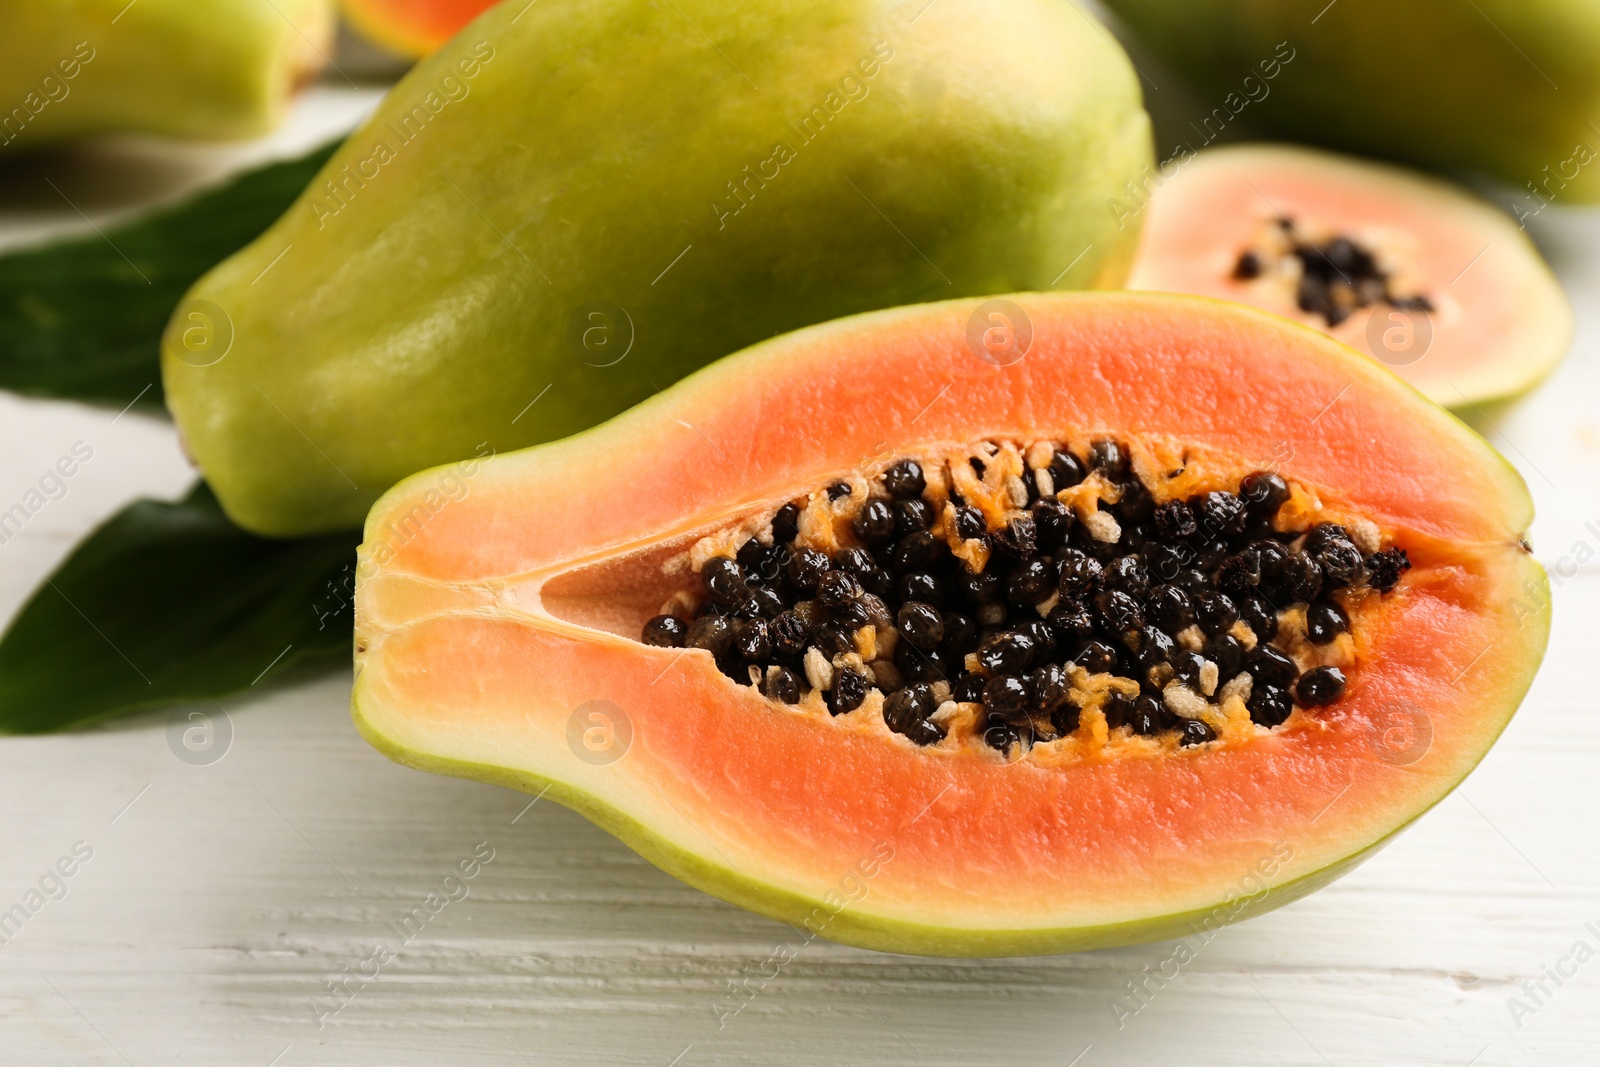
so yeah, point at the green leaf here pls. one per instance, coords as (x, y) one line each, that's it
(82, 318)
(170, 603)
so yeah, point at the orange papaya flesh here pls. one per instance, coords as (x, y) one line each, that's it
(1439, 286)
(500, 604)
(412, 27)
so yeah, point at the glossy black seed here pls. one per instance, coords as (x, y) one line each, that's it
(1118, 709)
(712, 633)
(1155, 648)
(922, 664)
(1214, 612)
(969, 523)
(1096, 657)
(920, 585)
(751, 640)
(856, 561)
(1227, 653)
(1052, 522)
(1269, 705)
(1385, 568)
(1187, 665)
(806, 568)
(724, 580)
(1080, 575)
(878, 582)
(1046, 647)
(782, 685)
(1115, 612)
(926, 733)
(1128, 574)
(1006, 696)
(1323, 534)
(1169, 608)
(1017, 539)
(1006, 652)
(1134, 507)
(833, 640)
(734, 668)
(968, 689)
(1065, 718)
(874, 524)
(1136, 536)
(1108, 457)
(1208, 556)
(878, 613)
(917, 552)
(1263, 493)
(983, 588)
(1166, 562)
(1147, 715)
(849, 690)
(1065, 470)
(1320, 685)
(788, 632)
(762, 603)
(1258, 614)
(912, 516)
(1001, 735)
(1032, 582)
(753, 558)
(838, 586)
(904, 480)
(1218, 514)
(1048, 690)
(960, 634)
(1247, 266)
(1325, 620)
(665, 631)
(1174, 520)
(852, 615)
(786, 524)
(1196, 732)
(903, 708)
(1341, 564)
(1072, 622)
(1302, 578)
(812, 612)
(1268, 666)
(1192, 580)
(920, 623)
(1269, 558)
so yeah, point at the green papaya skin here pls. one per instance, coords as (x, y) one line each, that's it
(1510, 88)
(573, 205)
(182, 68)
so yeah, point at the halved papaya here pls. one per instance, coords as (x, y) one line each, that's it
(412, 27)
(975, 628)
(1440, 286)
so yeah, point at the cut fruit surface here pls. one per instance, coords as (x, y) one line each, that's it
(509, 620)
(1434, 283)
(412, 27)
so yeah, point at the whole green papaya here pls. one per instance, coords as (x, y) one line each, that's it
(1510, 88)
(572, 205)
(182, 68)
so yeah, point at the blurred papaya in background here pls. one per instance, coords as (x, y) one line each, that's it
(202, 69)
(412, 27)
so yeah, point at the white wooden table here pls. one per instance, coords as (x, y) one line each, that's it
(220, 902)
